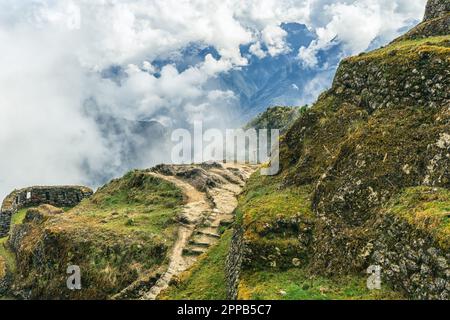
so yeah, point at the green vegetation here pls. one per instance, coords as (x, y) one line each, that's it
(314, 140)
(7, 255)
(206, 279)
(136, 203)
(264, 200)
(296, 284)
(18, 217)
(276, 118)
(427, 209)
(120, 233)
(408, 49)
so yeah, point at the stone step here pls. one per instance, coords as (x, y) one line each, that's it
(203, 238)
(198, 243)
(209, 234)
(226, 222)
(214, 225)
(193, 251)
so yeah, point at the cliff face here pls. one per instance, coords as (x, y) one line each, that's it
(365, 181)
(381, 132)
(435, 23)
(436, 9)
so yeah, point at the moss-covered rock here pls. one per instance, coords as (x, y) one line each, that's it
(436, 9)
(411, 73)
(97, 237)
(273, 229)
(413, 242)
(312, 143)
(276, 222)
(383, 127)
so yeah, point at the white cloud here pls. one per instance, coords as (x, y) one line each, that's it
(52, 53)
(355, 24)
(256, 50)
(274, 38)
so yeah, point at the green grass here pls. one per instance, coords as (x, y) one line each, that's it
(438, 44)
(278, 117)
(135, 203)
(206, 279)
(264, 200)
(7, 255)
(125, 229)
(18, 217)
(427, 209)
(296, 284)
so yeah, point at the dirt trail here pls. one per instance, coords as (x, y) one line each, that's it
(203, 214)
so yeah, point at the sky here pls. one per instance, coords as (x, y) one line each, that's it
(56, 55)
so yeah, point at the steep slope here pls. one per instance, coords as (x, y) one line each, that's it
(129, 239)
(382, 129)
(123, 230)
(279, 117)
(365, 182)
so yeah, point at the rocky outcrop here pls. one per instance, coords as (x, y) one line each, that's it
(417, 77)
(436, 9)
(435, 23)
(389, 112)
(61, 196)
(411, 260)
(383, 127)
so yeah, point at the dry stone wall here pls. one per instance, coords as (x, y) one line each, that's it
(61, 196)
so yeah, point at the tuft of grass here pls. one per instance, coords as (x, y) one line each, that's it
(206, 279)
(297, 284)
(427, 209)
(408, 49)
(265, 200)
(18, 217)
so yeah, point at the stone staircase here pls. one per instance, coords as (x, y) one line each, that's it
(212, 191)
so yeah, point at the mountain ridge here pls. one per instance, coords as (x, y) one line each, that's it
(364, 185)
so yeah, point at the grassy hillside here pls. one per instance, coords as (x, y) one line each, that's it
(206, 280)
(122, 232)
(278, 117)
(365, 179)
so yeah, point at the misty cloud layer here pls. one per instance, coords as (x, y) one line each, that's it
(79, 86)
